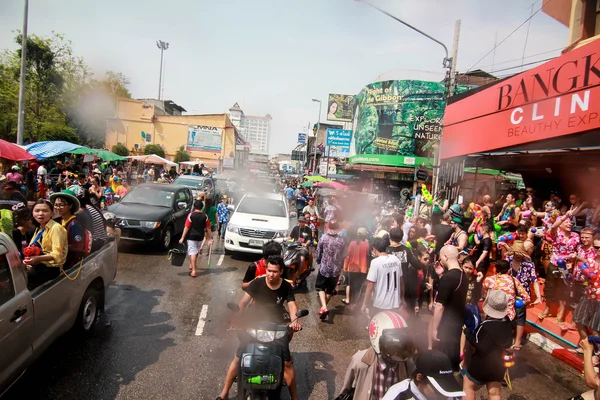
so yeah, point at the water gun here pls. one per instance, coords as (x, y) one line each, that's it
(497, 227)
(588, 272)
(507, 238)
(562, 269)
(426, 195)
(261, 379)
(526, 214)
(519, 302)
(410, 213)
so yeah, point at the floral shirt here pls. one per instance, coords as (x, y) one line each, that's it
(526, 273)
(331, 255)
(562, 246)
(592, 289)
(507, 284)
(223, 212)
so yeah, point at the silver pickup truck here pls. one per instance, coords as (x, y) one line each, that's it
(30, 321)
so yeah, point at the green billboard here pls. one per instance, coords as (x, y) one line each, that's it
(398, 121)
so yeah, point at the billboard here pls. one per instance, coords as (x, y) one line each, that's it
(302, 138)
(340, 107)
(397, 119)
(204, 138)
(338, 143)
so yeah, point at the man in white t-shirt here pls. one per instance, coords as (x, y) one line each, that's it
(385, 285)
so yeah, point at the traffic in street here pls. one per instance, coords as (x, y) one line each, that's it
(164, 336)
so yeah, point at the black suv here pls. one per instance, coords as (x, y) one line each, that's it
(153, 213)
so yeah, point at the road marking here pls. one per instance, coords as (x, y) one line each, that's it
(202, 320)
(220, 260)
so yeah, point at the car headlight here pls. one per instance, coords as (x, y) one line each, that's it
(281, 234)
(266, 336)
(233, 228)
(150, 224)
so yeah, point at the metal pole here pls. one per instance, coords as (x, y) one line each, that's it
(327, 170)
(160, 72)
(305, 161)
(315, 166)
(21, 114)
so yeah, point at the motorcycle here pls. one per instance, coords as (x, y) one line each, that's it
(296, 270)
(260, 373)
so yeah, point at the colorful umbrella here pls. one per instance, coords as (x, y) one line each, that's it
(12, 152)
(51, 148)
(107, 155)
(317, 178)
(331, 185)
(307, 184)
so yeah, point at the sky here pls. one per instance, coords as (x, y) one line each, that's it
(274, 56)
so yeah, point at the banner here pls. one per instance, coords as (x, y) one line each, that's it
(302, 138)
(399, 118)
(339, 138)
(340, 107)
(204, 138)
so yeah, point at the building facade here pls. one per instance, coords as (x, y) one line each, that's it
(254, 130)
(138, 123)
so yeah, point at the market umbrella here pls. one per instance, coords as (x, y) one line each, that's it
(317, 178)
(51, 148)
(307, 184)
(108, 155)
(152, 159)
(331, 185)
(12, 152)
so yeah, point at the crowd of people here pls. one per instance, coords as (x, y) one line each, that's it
(475, 267)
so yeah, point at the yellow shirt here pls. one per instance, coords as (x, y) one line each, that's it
(114, 185)
(54, 243)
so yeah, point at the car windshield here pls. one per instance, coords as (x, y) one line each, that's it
(148, 196)
(255, 205)
(193, 183)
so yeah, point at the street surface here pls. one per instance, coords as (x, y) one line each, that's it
(168, 340)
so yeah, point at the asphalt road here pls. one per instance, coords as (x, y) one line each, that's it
(168, 339)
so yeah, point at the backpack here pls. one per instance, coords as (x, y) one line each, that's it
(87, 240)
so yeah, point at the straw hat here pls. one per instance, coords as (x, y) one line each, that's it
(496, 304)
(518, 249)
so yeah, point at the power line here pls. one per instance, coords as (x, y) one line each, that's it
(509, 35)
(519, 59)
(524, 65)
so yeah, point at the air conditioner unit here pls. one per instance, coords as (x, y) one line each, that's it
(120, 143)
(137, 146)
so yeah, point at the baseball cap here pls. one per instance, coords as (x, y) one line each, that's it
(437, 368)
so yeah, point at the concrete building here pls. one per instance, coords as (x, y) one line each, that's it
(253, 129)
(582, 17)
(138, 123)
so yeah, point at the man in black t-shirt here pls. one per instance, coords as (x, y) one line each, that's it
(269, 293)
(442, 232)
(449, 310)
(259, 268)
(483, 249)
(196, 227)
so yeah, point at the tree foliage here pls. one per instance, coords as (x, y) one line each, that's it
(120, 150)
(154, 149)
(63, 100)
(182, 155)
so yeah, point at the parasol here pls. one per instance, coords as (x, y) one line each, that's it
(317, 178)
(12, 152)
(331, 185)
(51, 148)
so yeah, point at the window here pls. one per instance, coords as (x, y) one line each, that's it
(7, 288)
(148, 138)
(181, 197)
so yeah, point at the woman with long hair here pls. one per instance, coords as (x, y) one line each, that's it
(50, 239)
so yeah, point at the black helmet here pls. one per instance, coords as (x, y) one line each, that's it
(396, 345)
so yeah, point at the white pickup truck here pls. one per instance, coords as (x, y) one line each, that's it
(30, 321)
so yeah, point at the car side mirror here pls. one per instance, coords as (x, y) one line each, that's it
(181, 205)
(231, 207)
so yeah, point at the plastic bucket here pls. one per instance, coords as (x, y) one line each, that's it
(177, 257)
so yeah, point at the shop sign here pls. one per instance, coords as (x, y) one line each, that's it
(390, 160)
(340, 107)
(558, 98)
(204, 138)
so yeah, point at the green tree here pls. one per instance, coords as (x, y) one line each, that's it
(120, 150)
(182, 155)
(154, 149)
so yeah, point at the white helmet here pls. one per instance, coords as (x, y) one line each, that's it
(382, 321)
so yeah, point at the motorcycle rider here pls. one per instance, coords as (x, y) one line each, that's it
(269, 292)
(388, 361)
(259, 268)
(302, 234)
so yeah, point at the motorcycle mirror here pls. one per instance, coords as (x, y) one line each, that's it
(233, 307)
(302, 313)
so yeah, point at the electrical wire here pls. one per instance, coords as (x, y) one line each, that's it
(509, 35)
(519, 59)
(524, 65)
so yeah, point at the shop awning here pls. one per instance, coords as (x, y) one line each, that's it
(52, 148)
(555, 100)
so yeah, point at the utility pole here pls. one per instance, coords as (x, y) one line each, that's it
(21, 114)
(316, 167)
(162, 46)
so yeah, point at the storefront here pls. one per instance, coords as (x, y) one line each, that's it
(543, 123)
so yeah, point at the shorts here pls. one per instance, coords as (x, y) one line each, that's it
(325, 284)
(193, 247)
(464, 372)
(520, 316)
(355, 280)
(587, 313)
(555, 288)
(283, 343)
(213, 228)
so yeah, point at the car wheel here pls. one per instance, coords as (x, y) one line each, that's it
(228, 252)
(89, 309)
(167, 238)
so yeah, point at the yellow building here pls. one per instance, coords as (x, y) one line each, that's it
(582, 17)
(210, 138)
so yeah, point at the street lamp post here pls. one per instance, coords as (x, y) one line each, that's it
(448, 63)
(21, 112)
(162, 46)
(315, 168)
